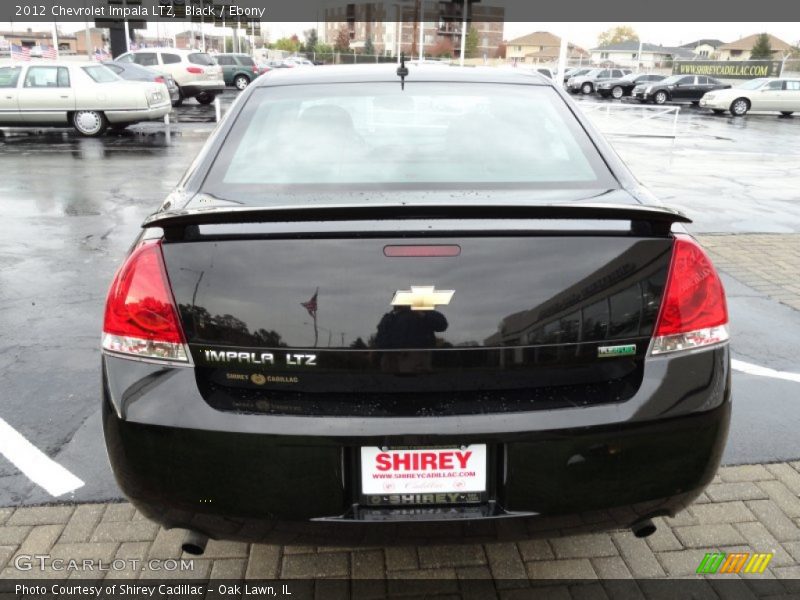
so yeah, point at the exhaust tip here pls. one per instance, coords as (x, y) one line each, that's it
(194, 543)
(643, 529)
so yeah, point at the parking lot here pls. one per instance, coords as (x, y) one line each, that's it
(73, 205)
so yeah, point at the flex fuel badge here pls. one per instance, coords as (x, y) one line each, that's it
(612, 351)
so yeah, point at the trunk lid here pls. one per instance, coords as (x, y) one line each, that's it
(299, 318)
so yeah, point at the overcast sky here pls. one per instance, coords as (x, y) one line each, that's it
(583, 34)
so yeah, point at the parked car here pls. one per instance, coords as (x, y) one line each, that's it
(86, 95)
(586, 83)
(575, 72)
(133, 72)
(197, 74)
(677, 88)
(763, 94)
(471, 387)
(299, 61)
(617, 88)
(238, 70)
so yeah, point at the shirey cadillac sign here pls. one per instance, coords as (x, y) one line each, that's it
(724, 69)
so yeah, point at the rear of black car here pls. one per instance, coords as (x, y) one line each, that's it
(431, 315)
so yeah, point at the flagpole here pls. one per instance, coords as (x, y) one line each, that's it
(316, 332)
(55, 39)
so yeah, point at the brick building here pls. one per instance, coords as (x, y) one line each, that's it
(393, 25)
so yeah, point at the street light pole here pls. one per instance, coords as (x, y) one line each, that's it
(465, 9)
(421, 29)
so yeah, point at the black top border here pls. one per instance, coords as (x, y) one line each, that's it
(318, 11)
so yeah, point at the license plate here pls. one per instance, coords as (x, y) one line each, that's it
(414, 476)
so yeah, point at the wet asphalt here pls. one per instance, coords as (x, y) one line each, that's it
(72, 206)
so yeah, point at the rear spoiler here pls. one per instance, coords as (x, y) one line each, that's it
(645, 219)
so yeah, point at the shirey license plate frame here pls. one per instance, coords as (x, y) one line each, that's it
(431, 490)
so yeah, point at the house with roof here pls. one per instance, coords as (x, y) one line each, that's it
(705, 48)
(540, 47)
(626, 54)
(741, 49)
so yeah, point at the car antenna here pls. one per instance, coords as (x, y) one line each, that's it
(402, 71)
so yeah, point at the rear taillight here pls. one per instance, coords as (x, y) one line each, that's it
(141, 318)
(255, 70)
(693, 312)
(195, 70)
(160, 79)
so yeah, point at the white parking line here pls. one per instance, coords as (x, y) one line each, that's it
(35, 464)
(752, 369)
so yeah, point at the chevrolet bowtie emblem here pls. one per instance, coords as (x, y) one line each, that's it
(422, 297)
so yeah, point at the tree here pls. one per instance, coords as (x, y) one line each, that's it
(311, 40)
(762, 49)
(321, 48)
(342, 42)
(471, 45)
(291, 44)
(369, 47)
(617, 35)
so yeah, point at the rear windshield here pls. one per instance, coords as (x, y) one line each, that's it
(432, 135)
(201, 58)
(101, 74)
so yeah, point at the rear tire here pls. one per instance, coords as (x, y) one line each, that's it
(617, 92)
(89, 123)
(179, 100)
(204, 98)
(241, 82)
(587, 88)
(787, 113)
(660, 97)
(739, 107)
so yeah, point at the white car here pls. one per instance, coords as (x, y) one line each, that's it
(86, 95)
(197, 73)
(763, 94)
(298, 61)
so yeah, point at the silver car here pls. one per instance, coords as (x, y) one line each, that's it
(86, 95)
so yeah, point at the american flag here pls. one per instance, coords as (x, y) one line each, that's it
(101, 55)
(311, 305)
(20, 52)
(49, 52)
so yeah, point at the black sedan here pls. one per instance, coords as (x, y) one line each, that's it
(133, 72)
(445, 310)
(677, 88)
(617, 88)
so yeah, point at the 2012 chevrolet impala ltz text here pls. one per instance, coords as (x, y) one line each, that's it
(411, 304)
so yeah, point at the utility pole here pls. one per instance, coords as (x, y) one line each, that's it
(421, 30)
(202, 26)
(464, 9)
(562, 59)
(398, 32)
(639, 57)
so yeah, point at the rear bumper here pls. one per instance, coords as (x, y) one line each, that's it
(192, 89)
(273, 479)
(146, 114)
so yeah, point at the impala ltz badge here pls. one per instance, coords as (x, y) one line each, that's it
(290, 359)
(422, 297)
